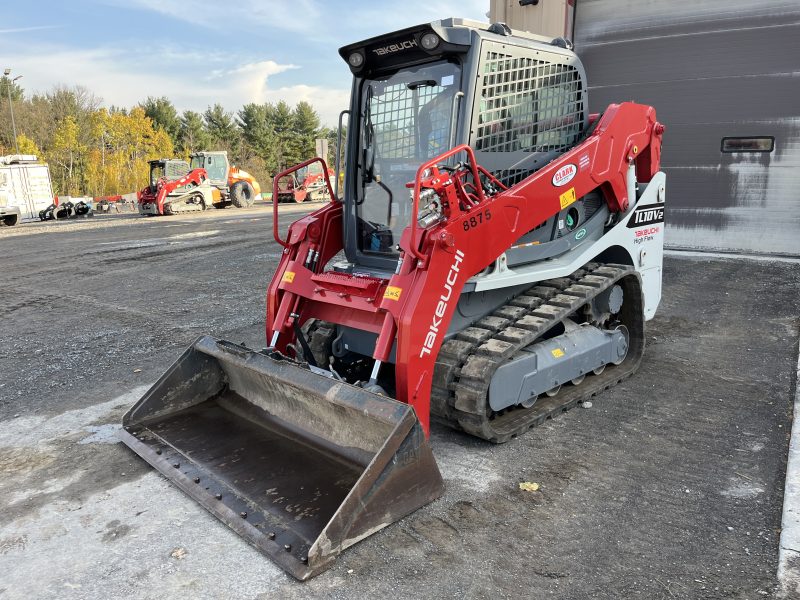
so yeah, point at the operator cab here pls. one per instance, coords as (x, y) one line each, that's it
(215, 164)
(168, 169)
(518, 102)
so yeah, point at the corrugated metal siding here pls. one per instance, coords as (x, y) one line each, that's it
(712, 69)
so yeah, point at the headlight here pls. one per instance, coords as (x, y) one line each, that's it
(429, 41)
(356, 59)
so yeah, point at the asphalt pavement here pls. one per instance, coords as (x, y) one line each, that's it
(669, 486)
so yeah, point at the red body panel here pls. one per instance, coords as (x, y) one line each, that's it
(414, 307)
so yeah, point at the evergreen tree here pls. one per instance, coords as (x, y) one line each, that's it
(222, 129)
(257, 131)
(281, 120)
(192, 135)
(163, 114)
(7, 86)
(306, 125)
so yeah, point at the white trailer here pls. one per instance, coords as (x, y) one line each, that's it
(25, 188)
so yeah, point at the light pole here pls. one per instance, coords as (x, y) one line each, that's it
(7, 72)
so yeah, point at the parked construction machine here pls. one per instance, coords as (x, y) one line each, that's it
(174, 188)
(235, 186)
(493, 260)
(309, 184)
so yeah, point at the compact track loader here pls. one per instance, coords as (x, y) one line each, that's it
(493, 260)
(175, 188)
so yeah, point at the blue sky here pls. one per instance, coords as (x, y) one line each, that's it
(197, 52)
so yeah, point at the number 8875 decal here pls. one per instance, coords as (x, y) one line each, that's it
(477, 219)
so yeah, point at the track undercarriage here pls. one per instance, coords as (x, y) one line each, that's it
(469, 361)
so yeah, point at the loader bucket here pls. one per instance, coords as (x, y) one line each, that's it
(300, 465)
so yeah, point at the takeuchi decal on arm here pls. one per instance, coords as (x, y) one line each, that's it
(441, 306)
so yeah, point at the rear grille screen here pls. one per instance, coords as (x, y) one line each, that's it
(528, 105)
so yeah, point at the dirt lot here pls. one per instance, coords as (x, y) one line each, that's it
(669, 486)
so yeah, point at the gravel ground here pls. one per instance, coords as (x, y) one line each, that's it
(670, 486)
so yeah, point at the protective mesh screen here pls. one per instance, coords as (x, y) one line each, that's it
(176, 169)
(528, 105)
(395, 112)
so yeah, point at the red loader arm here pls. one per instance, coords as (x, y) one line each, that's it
(414, 307)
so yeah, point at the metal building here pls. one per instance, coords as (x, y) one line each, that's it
(724, 76)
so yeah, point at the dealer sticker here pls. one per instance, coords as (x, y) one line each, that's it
(564, 175)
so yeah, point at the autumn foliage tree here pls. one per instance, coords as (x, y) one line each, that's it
(97, 151)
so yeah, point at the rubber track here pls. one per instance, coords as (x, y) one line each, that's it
(467, 362)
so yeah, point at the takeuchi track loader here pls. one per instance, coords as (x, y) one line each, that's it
(492, 262)
(175, 188)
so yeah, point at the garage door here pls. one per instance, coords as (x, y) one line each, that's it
(724, 76)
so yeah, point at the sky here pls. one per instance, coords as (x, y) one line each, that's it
(199, 52)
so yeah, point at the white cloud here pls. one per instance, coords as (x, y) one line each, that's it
(26, 29)
(196, 77)
(123, 78)
(328, 102)
(248, 80)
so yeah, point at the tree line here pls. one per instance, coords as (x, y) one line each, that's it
(99, 151)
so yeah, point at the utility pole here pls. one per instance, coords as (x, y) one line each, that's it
(9, 81)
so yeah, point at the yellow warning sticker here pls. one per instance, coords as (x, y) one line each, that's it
(288, 277)
(392, 293)
(557, 353)
(567, 197)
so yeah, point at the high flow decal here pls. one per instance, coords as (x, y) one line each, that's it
(646, 215)
(564, 175)
(441, 306)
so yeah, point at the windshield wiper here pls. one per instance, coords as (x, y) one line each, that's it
(368, 158)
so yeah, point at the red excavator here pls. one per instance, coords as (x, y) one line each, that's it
(493, 260)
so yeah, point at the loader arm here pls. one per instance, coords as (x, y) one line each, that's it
(414, 307)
